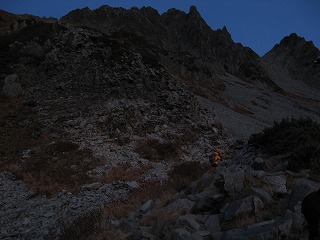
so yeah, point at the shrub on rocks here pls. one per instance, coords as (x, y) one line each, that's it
(153, 150)
(184, 173)
(299, 138)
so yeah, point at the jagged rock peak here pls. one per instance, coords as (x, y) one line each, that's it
(297, 55)
(298, 44)
(292, 40)
(225, 32)
(194, 11)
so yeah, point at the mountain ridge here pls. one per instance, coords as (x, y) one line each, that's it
(297, 56)
(193, 35)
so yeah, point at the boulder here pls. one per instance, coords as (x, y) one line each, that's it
(181, 234)
(146, 206)
(298, 222)
(132, 184)
(92, 186)
(301, 182)
(213, 224)
(12, 86)
(262, 194)
(243, 206)
(208, 200)
(272, 164)
(181, 204)
(272, 229)
(234, 182)
(279, 183)
(297, 195)
(189, 221)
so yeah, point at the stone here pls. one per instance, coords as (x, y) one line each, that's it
(297, 195)
(12, 86)
(257, 204)
(181, 234)
(181, 204)
(92, 186)
(213, 224)
(189, 221)
(263, 194)
(203, 201)
(257, 173)
(301, 182)
(242, 206)
(258, 160)
(196, 236)
(146, 206)
(234, 182)
(173, 99)
(298, 222)
(146, 235)
(271, 229)
(279, 183)
(133, 184)
(202, 234)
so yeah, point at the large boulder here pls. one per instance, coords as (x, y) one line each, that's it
(12, 86)
(246, 205)
(278, 183)
(234, 182)
(272, 229)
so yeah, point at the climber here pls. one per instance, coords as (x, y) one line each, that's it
(317, 61)
(310, 208)
(214, 158)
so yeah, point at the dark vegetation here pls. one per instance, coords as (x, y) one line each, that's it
(152, 149)
(97, 225)
(60, 166)
(8, 56)
(186, 172)
(45, 163)
(300, 138)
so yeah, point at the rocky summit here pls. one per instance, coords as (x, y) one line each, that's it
(108, 118)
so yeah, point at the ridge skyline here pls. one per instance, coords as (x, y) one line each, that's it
(261, 35)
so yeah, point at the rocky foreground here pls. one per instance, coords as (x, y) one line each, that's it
(250, 196)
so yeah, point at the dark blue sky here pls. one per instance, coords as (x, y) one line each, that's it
(258, 24)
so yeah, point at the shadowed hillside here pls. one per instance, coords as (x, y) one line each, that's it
(108, 118)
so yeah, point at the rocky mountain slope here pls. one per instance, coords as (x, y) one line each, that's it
(296, 56)
(190, 48)
(97, 108)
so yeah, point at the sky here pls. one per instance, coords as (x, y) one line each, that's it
(258, 24)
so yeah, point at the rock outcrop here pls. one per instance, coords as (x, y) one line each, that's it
(12, 86)
(191, 49)
(296, 56)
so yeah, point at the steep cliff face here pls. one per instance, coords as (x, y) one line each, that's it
(296, 56)
(189, 48)
(143, 22)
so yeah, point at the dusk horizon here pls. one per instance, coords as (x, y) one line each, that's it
(259, 26)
